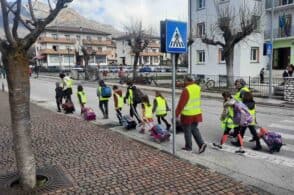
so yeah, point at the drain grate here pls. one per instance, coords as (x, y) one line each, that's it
(56, 180)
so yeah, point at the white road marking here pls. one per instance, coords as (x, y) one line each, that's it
(286, 127)
(271, 158)
(288, 121)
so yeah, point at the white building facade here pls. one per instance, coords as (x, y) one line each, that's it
(207, 59)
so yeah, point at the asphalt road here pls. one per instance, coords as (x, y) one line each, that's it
(272, 172)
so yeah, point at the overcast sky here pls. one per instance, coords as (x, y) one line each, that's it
(120, 12)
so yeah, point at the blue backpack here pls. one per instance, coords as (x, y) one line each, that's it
(106, 92)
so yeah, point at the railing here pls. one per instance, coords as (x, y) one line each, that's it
(280, 33)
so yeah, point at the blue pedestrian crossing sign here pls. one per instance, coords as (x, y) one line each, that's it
(174, 36)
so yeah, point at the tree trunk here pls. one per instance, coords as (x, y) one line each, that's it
(17, 66)
(230, 68)
(137, 55)
(86, 68)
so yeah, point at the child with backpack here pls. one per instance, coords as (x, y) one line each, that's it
(58, 96)
(228, 123)
(147, 114)
(118, 102)
(81, 97)
(103, 93)
(133, 99)
(160, 107)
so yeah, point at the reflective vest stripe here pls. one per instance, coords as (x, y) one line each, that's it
(83, 97)
(148, 111)
(193, 105)
(120, 100)
(161, 106)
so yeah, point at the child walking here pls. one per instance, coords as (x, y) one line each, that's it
(58, 96)
(118, 102)
(160, 108)
(82, 97)
(228, 123)
(147, 114)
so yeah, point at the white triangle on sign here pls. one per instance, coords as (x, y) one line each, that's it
(176, 41)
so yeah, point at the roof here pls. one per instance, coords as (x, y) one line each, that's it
(75, 30)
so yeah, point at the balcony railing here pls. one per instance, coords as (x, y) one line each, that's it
(279, 4)
(97, 42)
(55, 40)
(278, 33)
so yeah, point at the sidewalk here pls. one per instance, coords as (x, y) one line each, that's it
(99, 161)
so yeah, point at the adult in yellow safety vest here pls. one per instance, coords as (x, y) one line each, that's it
(103, 101)
(189, 107)
(130, 100)
(67, 83)
(160, 108)
(82, 97)
(240, 85)
(250, 103)
(118, 102)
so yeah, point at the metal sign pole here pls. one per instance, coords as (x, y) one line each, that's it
(271, 56)
(174, 102)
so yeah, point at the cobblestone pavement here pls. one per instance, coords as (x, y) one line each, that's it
(100, 161)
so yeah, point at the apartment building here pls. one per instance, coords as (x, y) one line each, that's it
(60, 47)
(283, 31)
(208, 59)
(150, 56)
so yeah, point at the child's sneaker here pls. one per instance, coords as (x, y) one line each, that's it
(217, 146)
(240, 151)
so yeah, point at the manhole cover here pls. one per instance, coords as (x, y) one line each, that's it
(56, 180)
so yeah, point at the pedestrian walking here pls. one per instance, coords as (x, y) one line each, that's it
(189, 107)
(58, 96)
(160, 108)
(227, 122)
(121, 75)
(261, 75)
(82, 97)
(147, 114)
(118, 102)
(241, 87)
(37, 70)
(132, 100)
(103, 93)
(67, 83)
(250, 103)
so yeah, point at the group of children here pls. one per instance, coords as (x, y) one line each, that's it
(228, 123)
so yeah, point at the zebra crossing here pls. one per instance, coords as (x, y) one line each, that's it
(285, 157)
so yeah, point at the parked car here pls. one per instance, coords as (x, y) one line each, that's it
(160, 69)
(181, 69)
(145, 69)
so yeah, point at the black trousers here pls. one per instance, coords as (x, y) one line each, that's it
(103, 105)
(133, 112)
(119, 115)
(253, 133)
(58, 103)
(159, 118)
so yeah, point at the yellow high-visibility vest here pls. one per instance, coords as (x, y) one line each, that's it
(120, 100)
(148, 111)
(83, 97)
(100, 96)
(228, 121)
(253, 115)
(193, 105)
(131, 97)
(68, 82)
(238, 94)
(161, 106)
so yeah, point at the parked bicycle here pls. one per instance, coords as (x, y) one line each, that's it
(205, 83)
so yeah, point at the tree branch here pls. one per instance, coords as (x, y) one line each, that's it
(212, 42)
(16, 19)
(49, 4)
(11, 7)
(246, 31)
(6, 22)
(32, 11)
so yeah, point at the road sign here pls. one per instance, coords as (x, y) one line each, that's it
(173, 36)
(269, 48)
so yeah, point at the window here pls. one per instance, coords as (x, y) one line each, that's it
(221, 58)
(67, 37)
(55, 37)
(55, 59)
(201, 56)
(155, 59)
(89, 38)
(285, 26)
(68, 47)
(55, 47)
(254, 56)
(99, 38)
(201, 29)
(154, 50)
(99, 49)
(256, 22)
(285, 2)
(78, 37)
(200, 4)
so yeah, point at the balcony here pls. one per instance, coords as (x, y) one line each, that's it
(279, 34)
(97, 42)
(154, 45)
(101, 53)
(58, 40)
(279, 4)
(57, 52)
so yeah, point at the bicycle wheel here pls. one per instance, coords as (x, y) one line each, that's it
(210, 84)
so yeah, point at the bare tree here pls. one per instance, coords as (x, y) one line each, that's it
(231, 28)
(138, 40)
(14, 56)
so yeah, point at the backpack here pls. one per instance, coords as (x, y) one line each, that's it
(273, 140)
(106, 92)
(137, 95)
(242, 116)
(128, 122)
